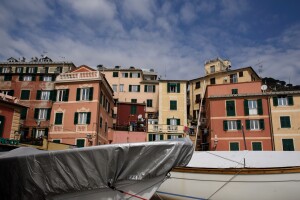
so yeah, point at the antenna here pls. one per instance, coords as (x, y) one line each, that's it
(165, 72)
(260, 67)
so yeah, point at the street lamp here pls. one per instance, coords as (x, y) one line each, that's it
(89, 138)
(215, 142)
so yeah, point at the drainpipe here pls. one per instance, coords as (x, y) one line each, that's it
(271, 124)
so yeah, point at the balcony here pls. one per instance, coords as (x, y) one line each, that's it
(79, 76)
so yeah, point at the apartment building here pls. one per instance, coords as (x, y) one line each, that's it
(33, 83)
(134, 85)
(285, 115)
(217, 71)
(237, 118)
(172, 117)
(82, 109)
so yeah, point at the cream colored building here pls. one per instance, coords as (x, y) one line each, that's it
(285, 116)
(172, 118)
(134, 85)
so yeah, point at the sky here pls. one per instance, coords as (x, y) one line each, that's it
(173, 37)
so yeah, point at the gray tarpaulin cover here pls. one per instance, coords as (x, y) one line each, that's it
(27, 173)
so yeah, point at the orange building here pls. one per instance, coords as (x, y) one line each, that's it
(82, 112)
(236, 113)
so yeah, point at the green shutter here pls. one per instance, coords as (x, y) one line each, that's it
(247, 124)
(126, 75)
(238, 124)
(11, 92)
(27, 69)
(225, 125)
(0, 69)
(33, 78)
(275, 101)
(262, 124)
(256, 146)
(234, 146)
(246, 107)
(35, 70)
(139, 75)
(178, 121)
(153, 88)
(285, 122)
(66, 95)
(25, 94)
(178, 87)
(168, 87)
(230, 108)
(46, 132)
(259, 107)
(133, 109)
(80, 143)
(23, 113)
(54, 95)
(130, 88)
(78, 94)
(88, 119)
(130, 75)
(173, 105)
(145, 88)
(33, 133)
(7, 77)
(36, 113)
(168, 121)
(41, 77)
(58, 118)
(76, 118)
(290, 100)
(288, 145)
(48, 113)
(20, 78)
(169, 137)
(139, 87)
(161, 137)
(38, 95)
(91, 93)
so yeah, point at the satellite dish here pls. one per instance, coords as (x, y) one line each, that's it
(264, 87)
(140, 116)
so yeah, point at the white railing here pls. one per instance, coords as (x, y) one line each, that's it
(81, 128)
(172, 127)
(58, 128)
(78, 76)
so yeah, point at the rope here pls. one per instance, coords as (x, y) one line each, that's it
(240, 163)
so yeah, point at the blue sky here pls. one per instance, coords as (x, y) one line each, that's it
(173, 37)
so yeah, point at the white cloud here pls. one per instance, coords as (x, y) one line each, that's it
(188, 13)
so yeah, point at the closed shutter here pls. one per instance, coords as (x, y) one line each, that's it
(153, 88)
(25, 94)
(259, 107)
(80, 143)
(38, 95)
(290, 100)
(145, 88)
(178, 121)
(33, 78)
(234, 146)
(178, 87)
(256, 146)
(91, 93)
(11, 92)
(33, 133)
(275, 101)
(48, 113)
(168, 87)
(88, 119)
(35, 70)
(139, 75)
(36, 113)
(58, 118)
(130, 75)
(238, 124)
(168, 121)
(78, 94)
(2, 122)
(20, 78)
(169, 137)
(130, 88)
(139, 87)
(288, 145)
(246, 107)
(54, 95)
(230, 108)
(46, 132)
(225, 125)
(161, 137)
(66, 95)
(247, 124)
(76, 118)
(23, 113)
(41, 77)
(262, 124)
(0, 69)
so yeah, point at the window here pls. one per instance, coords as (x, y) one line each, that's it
(285, 122)
(133, 109)
(173, 137)
(149, 102)
(124, 75)
(256, 146)
(198, 98)
(234, 146)
(288, 145)
(252, 105)
(115, 74)
(82, 117)
(198, 85)
(173, 87)
(84, 94)
(121, 88)
(255, 124)
(62, 95)
(40, 133)
(234, 91)
(149, 88)
(155, 137)
(7, 77)
(283, 101)
(230, 108)
(134, 75)
(31, 70)
(133, 100)
(42, 113)
(45, 95)
(6, 70)
(47, 78)
(56, 140)
(134, 88)
(233, 78)
(212, 81)
(80, 142)
(25, 94)
(212, 69)
(173, 105)
(58, 118)
(173, 121)
(8, 92)
(231, 125)
(27, 78)
(241, 74)
(23, 113)
(115, 87)
(19, 70)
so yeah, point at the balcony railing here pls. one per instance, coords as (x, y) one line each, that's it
(157, 128)
(78, 76)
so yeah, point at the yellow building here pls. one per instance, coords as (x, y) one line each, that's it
(172, 118)
(285, 116)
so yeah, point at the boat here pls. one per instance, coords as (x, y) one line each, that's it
(116, 171)
(235, 175)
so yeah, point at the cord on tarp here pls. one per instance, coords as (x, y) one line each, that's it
(123, 192)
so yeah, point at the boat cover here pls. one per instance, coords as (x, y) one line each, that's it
(27, 173)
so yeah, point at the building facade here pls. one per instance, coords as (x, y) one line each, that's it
(82, 109)
(237, 118)
(33, 83)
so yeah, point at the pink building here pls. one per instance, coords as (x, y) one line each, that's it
(83, 108)
(234, 110)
